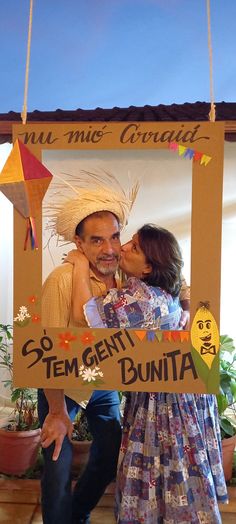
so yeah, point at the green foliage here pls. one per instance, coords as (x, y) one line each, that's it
(81, 428)
(226, 399)
(24, 399)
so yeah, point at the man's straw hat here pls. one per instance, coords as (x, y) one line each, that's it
(94, 192)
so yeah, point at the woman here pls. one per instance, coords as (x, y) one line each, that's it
(170, 469)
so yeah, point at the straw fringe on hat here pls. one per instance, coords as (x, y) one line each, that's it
(94, 192)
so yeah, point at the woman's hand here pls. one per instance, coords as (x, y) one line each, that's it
(77, 258)
(184, 322)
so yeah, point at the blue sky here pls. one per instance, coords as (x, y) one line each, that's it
(105, 53)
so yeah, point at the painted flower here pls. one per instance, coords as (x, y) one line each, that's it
(99, 373)
(22, 317)
(65, 339)
(87, 338)
(32, 299)
(89, 374)
(35, 318)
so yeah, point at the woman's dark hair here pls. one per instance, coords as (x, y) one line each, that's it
(162, 251)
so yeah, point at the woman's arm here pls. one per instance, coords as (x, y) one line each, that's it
(81, 287)
(131, 306)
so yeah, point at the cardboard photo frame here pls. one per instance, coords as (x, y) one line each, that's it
(129, 359)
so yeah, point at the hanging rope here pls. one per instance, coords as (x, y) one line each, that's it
(24, 109)
(212, 113)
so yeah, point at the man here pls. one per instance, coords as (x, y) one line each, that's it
(93, 221)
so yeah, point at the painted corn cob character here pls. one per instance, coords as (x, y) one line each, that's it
(205, 336)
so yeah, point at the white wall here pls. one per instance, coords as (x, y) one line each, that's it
(228, 279)
(6, 268)
(6, 246)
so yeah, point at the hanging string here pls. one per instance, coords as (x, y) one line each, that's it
(212, 113)
(24, 109)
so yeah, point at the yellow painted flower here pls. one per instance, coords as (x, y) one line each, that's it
(205, 334)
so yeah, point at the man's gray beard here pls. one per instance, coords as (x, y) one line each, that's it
(106, 270)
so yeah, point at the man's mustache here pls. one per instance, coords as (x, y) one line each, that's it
(110, 258)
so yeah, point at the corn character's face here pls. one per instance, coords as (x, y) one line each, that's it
(205, 330)
(205, 335)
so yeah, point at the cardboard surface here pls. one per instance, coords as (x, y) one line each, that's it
(129, 360)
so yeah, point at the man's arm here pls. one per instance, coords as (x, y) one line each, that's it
(56, 296)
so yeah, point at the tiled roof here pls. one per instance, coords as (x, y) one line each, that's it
(197, 111)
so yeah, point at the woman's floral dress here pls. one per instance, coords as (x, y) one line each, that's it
(170, 469)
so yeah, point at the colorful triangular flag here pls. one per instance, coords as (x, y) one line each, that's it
(197, 156)
(205, 160)
(140, 334)
(175, 335)
(151, 336)
(167, 336)
(189, 153)
(181, 150)
(159, 336)
(173, 146)
(184, 335)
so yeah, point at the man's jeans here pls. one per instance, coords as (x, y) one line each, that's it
(59, 506)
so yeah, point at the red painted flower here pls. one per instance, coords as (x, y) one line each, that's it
(65, 339)
(32, 299)
(35, 318)
(87, 338)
